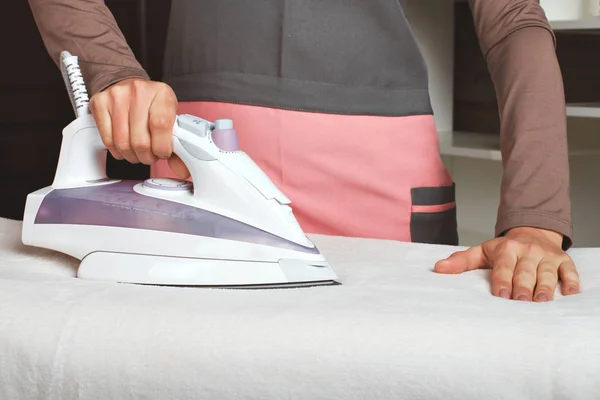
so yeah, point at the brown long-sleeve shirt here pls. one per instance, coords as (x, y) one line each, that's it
(391, 79)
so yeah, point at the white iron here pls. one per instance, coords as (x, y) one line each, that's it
(231, 227)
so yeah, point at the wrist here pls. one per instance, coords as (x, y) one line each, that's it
(554, 237)
(126, 81)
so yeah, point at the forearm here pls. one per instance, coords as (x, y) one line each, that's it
(88, 30)
(520, 53)
(535, 185)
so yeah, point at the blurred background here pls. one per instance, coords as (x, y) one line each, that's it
(34, 106)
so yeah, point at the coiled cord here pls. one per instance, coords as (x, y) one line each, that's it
(75, 83)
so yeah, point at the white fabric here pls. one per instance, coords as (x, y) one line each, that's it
(393, 330)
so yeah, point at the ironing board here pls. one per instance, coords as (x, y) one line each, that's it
(393, 330)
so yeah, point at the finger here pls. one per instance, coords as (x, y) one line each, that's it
(569, 278)
(178, 167)
(547, 279)
(119, 112)
(503, 269)
(98, 108)
(140, 139)
(525, 278)
(162, 114)
(462, 261)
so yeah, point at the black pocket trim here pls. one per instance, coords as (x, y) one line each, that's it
(433, 196)
(434, 228)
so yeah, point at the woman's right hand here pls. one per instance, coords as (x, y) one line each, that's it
(135, 118)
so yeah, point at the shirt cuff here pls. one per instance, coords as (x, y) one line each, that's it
(109, 78)
(536, 219)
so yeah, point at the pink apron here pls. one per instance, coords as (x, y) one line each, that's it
(358, 176)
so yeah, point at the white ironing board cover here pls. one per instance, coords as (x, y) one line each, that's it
(393, 330)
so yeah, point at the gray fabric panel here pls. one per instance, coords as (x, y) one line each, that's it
(299, 95)
(433, 195)
(356, 43)
(435, 228)
(335, 56)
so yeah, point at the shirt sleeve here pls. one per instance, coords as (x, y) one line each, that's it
(519, 48)
(88, 30)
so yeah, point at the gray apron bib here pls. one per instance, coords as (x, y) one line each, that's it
(329, 56)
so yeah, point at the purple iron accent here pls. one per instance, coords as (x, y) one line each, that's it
(225, 136)
(168, 184)
(118, 205)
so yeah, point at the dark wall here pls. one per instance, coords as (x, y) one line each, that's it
(475, 106)
(34, 104)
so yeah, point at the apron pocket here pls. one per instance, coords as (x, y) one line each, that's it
(433, 215)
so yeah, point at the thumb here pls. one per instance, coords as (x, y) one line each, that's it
(462, 261)
(178, 167)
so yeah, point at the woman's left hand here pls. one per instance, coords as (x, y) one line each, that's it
(526, 264)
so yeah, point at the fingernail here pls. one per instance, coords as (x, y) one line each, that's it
(523, 297)
(504, 293)
(573, 290)
(542, 297)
